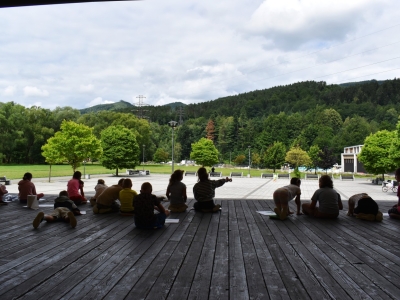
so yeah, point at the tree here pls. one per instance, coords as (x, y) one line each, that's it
(160, 155)
(51, 155)
(297, 157)
(256, 159)
(394, 151)
(73, 144)
(204, 153)
(314, 154)
(375, 154)
(210, 130)
(239, 159)
(120, 148)
(326, 159)
(274, 157)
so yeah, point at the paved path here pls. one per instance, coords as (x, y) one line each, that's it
(239, 188)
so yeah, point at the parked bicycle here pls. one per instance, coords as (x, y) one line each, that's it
(389, 185)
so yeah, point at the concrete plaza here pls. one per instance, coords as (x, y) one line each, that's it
(239, 189)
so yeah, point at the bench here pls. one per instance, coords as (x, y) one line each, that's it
(138, 172)
(283, 176)
(312, 176)
(346, 177)
(5, 180)
(132, 172)
(190, 173)
(215, 174)
(267, 175)
(237, 174)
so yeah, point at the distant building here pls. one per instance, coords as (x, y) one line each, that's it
(349, 160)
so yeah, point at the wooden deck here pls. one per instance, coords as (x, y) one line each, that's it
(234, 254)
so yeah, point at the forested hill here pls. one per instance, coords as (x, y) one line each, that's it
(369, 99)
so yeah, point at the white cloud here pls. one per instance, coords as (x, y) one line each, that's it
(98, 101)
(32, 91)
(9, 91)
(291, 23)
(86, 88)
(185, 50)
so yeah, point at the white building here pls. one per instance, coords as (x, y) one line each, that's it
(349, 160)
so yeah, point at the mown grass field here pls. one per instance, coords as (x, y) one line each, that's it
(42, 171)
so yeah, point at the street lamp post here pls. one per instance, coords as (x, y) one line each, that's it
(84, 168)
(249, 161)
(173, 124)
(143, 156)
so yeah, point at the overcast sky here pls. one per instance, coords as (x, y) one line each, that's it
(190, 51)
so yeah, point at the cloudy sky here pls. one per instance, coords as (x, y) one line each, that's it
(190, 51)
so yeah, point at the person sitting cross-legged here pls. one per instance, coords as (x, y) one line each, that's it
(144, 204)
(328, 199)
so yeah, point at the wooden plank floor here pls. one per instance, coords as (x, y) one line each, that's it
(234, 254)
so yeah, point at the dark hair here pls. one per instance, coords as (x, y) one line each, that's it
(202, 174)
(397, 172)
(100, 181)
(176, 176)
(295, 181)
(127, 183)
(146, 186)
(77, 175)
(325, 181)
(27, 176)
(63, 193)
(121, 181)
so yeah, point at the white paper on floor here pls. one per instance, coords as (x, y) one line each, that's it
(267, 213)
(44, 205)
(171, 220)
(385, 214)
(83, 212)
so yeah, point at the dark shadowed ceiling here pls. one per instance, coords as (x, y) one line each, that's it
(14, 3)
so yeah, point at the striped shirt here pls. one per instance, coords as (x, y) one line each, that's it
(205, 190)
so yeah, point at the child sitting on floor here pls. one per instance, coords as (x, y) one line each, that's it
(99, 188)
(176, 192)
(64, 210)
(204, 192)
(3, 191)
(144, 204)
(126, 196)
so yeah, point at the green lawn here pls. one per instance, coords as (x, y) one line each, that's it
(42, 171)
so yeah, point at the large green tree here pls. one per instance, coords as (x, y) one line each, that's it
(314, 154)
(375, 154)
(160, 155)
(297, 157)
(204, 153)
(120, 148)
(275, 155)
(73, 144)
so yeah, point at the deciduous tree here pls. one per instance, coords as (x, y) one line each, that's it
(375, 154)
(73, 144)
(120, 148)
(275, 156)
(204, 153)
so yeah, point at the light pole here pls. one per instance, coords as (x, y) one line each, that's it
(173, 124)
(249, 161)
(84, 168)
(143, 156)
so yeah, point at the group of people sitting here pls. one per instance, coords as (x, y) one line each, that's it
(123, 199)
(326, 202)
